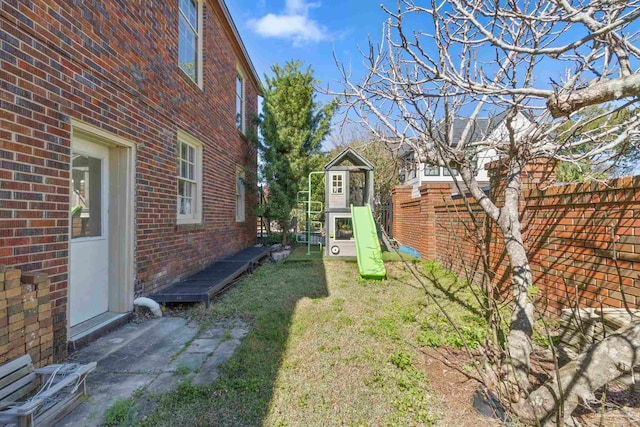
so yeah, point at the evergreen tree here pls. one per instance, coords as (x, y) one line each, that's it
(293, 126)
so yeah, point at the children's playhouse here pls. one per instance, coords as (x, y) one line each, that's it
(350, 230)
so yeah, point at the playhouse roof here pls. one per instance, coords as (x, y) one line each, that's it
(353, 156)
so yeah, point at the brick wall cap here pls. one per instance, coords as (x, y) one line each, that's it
(435, 187)
(401, 189)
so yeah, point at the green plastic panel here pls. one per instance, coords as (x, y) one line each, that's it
(368, 250)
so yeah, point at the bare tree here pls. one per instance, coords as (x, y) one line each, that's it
(537, 62)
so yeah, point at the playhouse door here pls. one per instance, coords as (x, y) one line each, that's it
(89, 254)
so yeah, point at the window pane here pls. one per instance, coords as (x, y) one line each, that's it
(190, 10)
(431, 170)
(445, 172)
(344, 229)
(86, 197)
(187, 48)
(182, 148)
(191, 151)
(183, 169)
(238, 113)
(187, 206)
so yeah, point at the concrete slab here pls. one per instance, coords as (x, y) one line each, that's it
(222, 354)
(209, 371)
(213, 333)
(206, 346)
(147, 357)
(239, 332)
(104, 391)
(205, 376)
(164, 383)
(190, 361)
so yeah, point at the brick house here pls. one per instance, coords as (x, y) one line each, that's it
(125, 161)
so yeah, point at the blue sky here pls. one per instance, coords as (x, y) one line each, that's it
(308, 30)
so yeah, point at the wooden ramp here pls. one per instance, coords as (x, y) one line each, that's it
(205, 284)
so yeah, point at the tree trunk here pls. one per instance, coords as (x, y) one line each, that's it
(284, 226)
(521, 327)
(605, 361)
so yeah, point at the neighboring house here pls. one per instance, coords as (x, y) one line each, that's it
(125, 161)
(415, 173)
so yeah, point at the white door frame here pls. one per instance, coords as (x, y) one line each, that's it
(121, 232)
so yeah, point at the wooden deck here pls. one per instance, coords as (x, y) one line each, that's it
(204, 285)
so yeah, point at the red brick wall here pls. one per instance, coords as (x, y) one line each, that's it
(583, 239)
(457, 236)
(409, 223)
(114, 65)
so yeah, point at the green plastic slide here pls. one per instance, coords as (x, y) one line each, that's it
(368, 250)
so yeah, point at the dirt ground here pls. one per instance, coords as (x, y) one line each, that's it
(621, 403)
(455, 388)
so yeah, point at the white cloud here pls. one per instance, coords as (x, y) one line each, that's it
(293, 24)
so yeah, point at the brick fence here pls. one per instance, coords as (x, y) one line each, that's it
(583, 239)
(25, 316)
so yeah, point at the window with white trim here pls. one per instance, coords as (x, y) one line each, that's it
(445, 172)
(240, 195)
(430, 170)
(190, 39)
(240, 103)
(337, 185)
(189, 201)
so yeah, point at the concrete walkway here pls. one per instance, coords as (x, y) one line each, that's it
(151, 357)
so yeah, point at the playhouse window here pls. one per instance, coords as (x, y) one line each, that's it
(344, 229)
(337, 185)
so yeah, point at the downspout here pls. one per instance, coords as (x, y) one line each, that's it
(150, 304)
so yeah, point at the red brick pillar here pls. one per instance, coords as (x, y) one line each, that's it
(431, 195)
(537, 174)
(400, 194)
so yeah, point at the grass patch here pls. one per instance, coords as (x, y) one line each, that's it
(326, 348)
(299, 254)
(398, 257)
(120, 413)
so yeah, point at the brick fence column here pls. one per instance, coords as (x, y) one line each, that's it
(537, 174)
(431, 195)
(400, 194)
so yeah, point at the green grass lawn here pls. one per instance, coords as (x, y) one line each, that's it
(326, 348)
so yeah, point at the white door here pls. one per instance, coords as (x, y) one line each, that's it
(89, 254)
